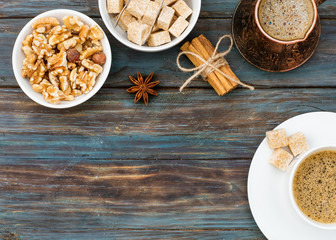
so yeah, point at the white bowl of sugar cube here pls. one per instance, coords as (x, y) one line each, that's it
(150, 25)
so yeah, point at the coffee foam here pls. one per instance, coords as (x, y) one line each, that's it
(314, 187)
(286, 20)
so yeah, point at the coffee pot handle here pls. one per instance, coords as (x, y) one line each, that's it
(319, 2)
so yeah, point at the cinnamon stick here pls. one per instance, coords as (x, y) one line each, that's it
(225, 69)
(206, 54)
(212, 78)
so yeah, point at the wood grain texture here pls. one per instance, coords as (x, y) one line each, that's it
(210, 8)
(318, 71)
(111, 169)
(194, 125)
(107, 197)
(135, 234)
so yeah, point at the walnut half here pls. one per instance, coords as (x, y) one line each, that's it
(62, 61)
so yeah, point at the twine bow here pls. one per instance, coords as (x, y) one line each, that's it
(214, 63)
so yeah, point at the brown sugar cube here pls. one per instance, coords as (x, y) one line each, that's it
(281, 159)
(125, 20)
(182, 9)
(298, 143)
(166, 2)
(165, 18)
(151, 13)
(277, 138)
(137, 32)
(155, 28)
(115, 6)
(137, 8)
(174, 20)
(159, 38)
(178, 27)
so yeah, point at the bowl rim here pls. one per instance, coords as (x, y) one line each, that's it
(325, 226)
(17, 66)
(105, 15)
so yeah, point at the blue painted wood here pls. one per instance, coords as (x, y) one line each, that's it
(118, 196)
(135, 234)
(109, 169)
(210, 8)
(318, 71)
(195, 125)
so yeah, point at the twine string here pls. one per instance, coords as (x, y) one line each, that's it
(214, 63)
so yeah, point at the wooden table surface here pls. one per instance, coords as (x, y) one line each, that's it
(112, 169)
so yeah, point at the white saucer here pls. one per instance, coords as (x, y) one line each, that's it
(268, 192)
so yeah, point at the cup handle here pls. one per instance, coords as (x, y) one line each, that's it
(319, 2)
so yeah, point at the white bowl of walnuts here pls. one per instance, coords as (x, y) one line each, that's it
(148, 26)
(61, 58)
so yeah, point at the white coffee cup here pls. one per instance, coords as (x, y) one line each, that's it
(329, 226)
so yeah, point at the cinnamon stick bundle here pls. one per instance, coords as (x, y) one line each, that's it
(203, 47)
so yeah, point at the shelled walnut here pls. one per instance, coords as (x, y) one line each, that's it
(61, 61)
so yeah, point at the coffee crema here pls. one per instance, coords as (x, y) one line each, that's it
(314, 186)
(286, 20)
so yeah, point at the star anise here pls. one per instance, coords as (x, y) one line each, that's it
(143, 87)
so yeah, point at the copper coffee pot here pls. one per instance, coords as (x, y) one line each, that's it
(265, 52)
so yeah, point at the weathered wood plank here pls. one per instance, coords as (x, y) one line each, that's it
(206, 235)
(193, 125)
(210, 8)
(45, 197)
(59, 173)
(128, 234)
(319, 71)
